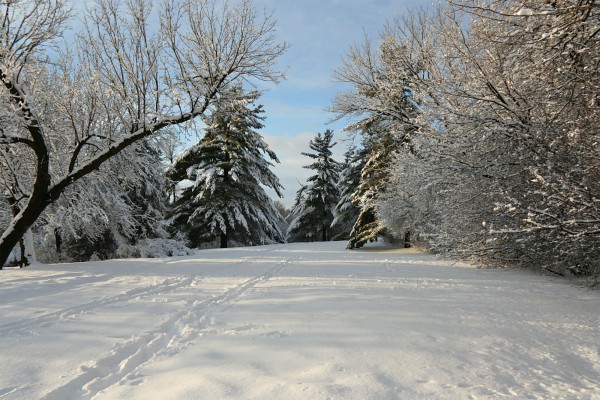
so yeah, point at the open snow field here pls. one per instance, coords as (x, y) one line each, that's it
(297, 321)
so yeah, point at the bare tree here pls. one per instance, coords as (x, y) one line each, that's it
(120, 81)
(506, 150)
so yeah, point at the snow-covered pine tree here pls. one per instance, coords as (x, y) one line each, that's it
(228, 168)
(380, 149)
(312, 214)
(346, 212)
(383, 102)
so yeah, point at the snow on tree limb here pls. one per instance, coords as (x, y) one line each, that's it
(141, 81)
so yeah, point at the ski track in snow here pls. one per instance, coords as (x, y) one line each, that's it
(167, 285)
(167, 340)
(305, 321)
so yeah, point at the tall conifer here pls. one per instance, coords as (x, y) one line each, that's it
(312, 213)
(228, 168)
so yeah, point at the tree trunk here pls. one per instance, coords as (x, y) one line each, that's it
(223, 240)
(19, 225)
(324, 233)
(57, 240)
(39, 199)
(407, 240)
(12, 201)
(23, 260)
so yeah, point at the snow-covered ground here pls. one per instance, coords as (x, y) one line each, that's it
(297, 321)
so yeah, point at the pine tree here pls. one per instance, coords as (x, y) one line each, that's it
(384, 100)
(312, 213)
(345, 211)
(228, 168)
(379, 150)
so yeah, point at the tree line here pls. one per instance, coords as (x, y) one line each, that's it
(493, 107)
(479, 129)
(477, 124)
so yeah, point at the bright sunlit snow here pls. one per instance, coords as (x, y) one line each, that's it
(297, 321)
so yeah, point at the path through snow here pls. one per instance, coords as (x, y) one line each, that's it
(297, 321)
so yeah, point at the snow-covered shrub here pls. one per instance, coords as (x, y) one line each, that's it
(154, 248)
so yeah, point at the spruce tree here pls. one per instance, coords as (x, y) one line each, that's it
(345, 211)
(383, 138)
(312, 214)
(379, 151)
(228, 168)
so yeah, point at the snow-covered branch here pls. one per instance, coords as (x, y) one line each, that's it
(130, 73)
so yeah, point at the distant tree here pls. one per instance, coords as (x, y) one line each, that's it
(283, 210)
(228, 169)
(285, 213)
(312, 214)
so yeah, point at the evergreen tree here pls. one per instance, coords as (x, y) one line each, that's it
(380, 149)
(383, 100)
(312, 214)
(228, 168)
(345, 211)
(285, 213)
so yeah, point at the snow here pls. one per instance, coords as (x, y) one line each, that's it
(296, 321)
(524, 11)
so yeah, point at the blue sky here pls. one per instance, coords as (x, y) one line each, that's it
(319, 33)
